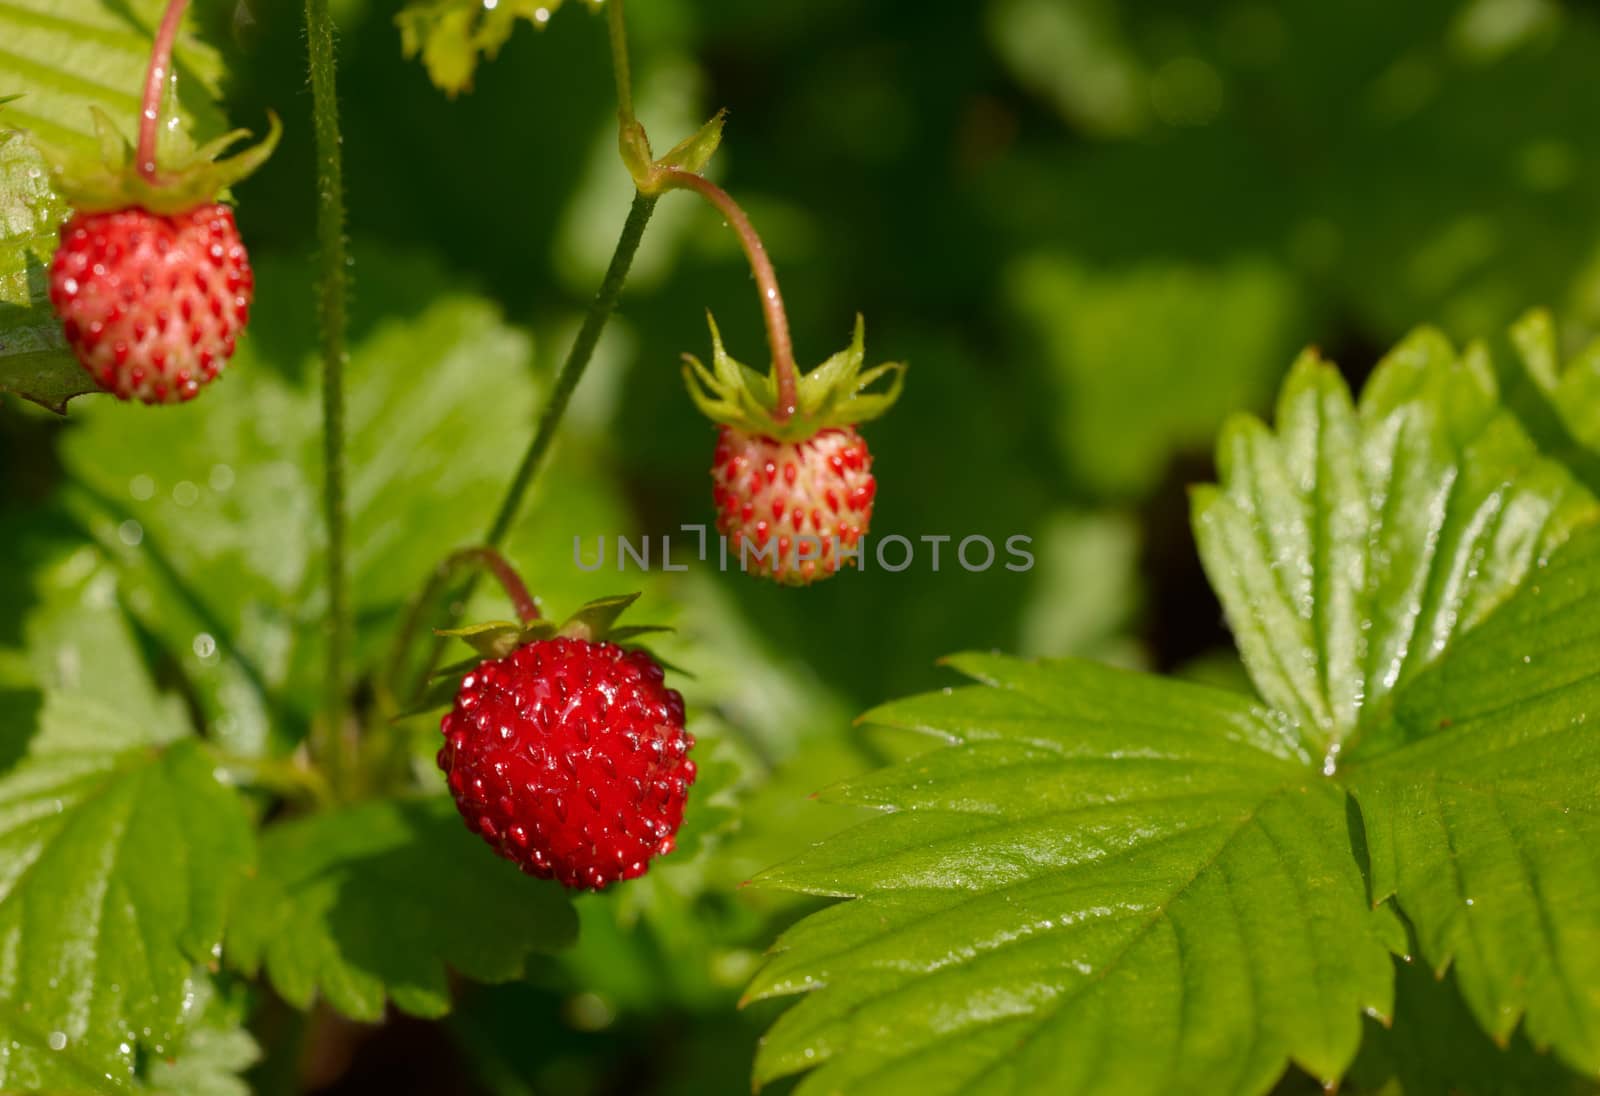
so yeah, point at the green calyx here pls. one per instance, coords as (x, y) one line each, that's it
(835, 393)
(185, 176)
(595, 622)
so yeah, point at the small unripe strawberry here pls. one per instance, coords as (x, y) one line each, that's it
(793, 490)
(151, 281)
(152, 304)
(569, 757)
(789, 507)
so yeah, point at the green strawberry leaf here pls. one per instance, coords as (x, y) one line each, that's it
(379, 901)
(1481, 796)
(1086, 891)
(1105, 882)
(120, 850)
(83, 55)
(452, 35)
(1350, 547)
(1558, 402)
(215, 1051)
(214, 519)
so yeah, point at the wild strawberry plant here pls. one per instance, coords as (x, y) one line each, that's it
(248, 701)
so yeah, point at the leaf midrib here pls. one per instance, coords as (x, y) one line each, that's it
(1161, 911)
(1158, 915)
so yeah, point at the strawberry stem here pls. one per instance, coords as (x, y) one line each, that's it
(503, 573)
(778, 337)
(155, 79)
(482, 557)
(336, 747)
(619, 61)
(572, 369)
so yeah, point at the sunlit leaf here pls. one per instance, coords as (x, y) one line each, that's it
(1104, 883)
(121, 854)
(1353, 544)
(1481, 797)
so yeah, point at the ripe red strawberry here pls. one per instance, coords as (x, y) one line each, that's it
(793, 491)
(787, 508)
(152, 304)
(569, 757)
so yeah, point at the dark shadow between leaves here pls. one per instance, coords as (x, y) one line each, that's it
(1434, 1047)
(1356, 826)
(19, 722)
(1533, 408)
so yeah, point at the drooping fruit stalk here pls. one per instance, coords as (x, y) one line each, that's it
(776, 317)
(155, 81)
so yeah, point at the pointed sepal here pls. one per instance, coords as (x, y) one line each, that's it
(839, 392)
(594, 622)
(491, 639)
(692, 153)
(184, 176)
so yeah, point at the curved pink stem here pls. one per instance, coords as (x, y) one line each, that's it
(155, 79)
(778, 336)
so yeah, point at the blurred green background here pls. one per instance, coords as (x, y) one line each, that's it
(1092, 229)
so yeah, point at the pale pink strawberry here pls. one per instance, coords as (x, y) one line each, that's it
(793, 511)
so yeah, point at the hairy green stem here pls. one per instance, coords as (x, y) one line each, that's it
(331, 241)
(155, 80)
(594, 322)
(620, 69)
(572, 369)
(772, 310)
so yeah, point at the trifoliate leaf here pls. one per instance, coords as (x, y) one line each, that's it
(1481, 797)
(1393, 575)
(1106, 882)
(119, 856)
(378, 902)
(1087, 890)
(452, 35)
(1353, 544)
(85, 55)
